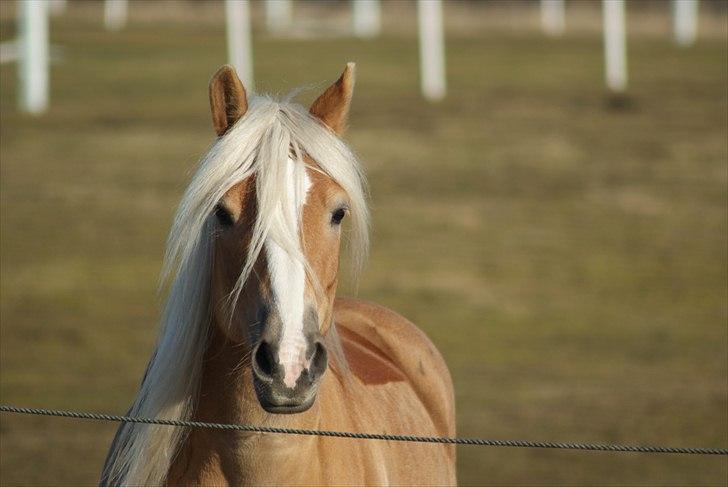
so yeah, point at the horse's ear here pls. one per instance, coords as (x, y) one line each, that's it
(228, 101)
(332, 107)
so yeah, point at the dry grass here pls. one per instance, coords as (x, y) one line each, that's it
(569, 259)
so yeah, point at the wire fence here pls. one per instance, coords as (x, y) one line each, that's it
(365, 436)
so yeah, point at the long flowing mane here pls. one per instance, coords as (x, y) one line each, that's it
(259, 144)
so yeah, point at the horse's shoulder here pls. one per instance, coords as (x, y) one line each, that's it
(381, 345)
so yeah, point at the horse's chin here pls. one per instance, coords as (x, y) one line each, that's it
(292, 409)
(286, 401)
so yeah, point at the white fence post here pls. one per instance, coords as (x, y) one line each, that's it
(366, 18)
(237, 18)
(685, 21)
(115, 12)
(432, 49)
(33, 57)
(552, 17)
(615, 45)
(278, 15)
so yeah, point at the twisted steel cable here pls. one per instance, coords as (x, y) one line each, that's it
(364, 436)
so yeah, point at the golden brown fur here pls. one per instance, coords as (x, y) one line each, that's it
(421, 404)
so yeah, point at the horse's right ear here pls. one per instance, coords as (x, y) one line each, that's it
(228, 101)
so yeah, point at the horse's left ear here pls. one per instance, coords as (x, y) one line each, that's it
(332, 107)
(228, 101)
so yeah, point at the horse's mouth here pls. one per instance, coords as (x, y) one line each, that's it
(285, 409)
(287, 401)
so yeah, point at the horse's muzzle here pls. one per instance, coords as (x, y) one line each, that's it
(276, 390)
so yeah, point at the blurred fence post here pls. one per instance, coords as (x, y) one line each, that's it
(33, 55)
(366, 18)
(615, 45)
(432, 49)
(552, 17)
(115, 12)
(685, 21)
(240, 55)
(278, 15)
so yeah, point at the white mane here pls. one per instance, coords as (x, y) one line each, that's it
(260, 143)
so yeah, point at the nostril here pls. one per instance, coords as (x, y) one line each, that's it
(263, 360)
(318, 360)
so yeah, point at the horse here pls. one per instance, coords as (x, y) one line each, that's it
(251, 324)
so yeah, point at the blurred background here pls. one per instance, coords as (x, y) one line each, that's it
(564, 243)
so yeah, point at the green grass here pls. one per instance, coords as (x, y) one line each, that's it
(569, 259)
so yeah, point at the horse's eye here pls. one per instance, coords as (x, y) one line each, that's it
(337, 216)
(223, 216)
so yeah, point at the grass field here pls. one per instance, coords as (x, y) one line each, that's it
(569, 259)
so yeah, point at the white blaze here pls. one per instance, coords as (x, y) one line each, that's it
(288, 278)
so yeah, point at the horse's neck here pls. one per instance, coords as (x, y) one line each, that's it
(226, 395)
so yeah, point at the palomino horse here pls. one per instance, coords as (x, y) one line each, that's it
(251, 323)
